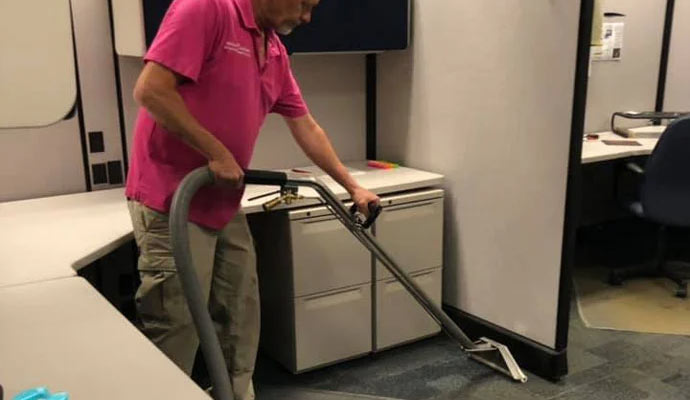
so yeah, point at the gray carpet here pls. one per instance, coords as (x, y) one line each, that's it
(603, 365)
(295, 393)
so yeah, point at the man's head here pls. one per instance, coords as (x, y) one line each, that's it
(283, 15)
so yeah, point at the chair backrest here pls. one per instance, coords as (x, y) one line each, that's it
(665, 193)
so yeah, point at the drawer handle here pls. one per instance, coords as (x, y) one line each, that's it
(333, 299)
(321, 226)
(316, 220)
(422, 211)
(406, 206)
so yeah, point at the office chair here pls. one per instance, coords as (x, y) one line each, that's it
(664, 199)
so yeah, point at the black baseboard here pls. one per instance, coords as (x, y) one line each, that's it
(532, 356)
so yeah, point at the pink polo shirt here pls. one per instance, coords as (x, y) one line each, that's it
(214, 43)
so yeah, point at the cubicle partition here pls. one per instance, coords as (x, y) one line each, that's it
(651, 72)
(58, 61)
(33, 36)
(39, 138)
(677, 91)
(629, 83)
(98, 93)
(485, 97)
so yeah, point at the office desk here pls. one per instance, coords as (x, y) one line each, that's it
(597, 151)
(379, 181)
(53, 237)
(64, 335)
(599, 181)
(58, 331)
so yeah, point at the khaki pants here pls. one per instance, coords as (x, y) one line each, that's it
(226, 266)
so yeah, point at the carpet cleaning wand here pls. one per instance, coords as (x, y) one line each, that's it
(484, 350)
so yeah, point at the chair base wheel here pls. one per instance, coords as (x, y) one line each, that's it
(615, 279)
(682, 293)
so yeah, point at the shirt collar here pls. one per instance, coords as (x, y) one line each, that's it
(246, 11)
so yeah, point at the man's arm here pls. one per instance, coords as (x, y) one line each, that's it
(156, 90)
(316, 145)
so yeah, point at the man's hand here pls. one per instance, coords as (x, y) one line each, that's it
(226, 170)
(363, 198)
(313, 140)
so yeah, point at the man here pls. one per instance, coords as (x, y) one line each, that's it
(214, 71)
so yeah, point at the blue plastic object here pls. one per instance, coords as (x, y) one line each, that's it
(40, 393)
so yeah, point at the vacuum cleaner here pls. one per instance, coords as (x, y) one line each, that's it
(484, 350)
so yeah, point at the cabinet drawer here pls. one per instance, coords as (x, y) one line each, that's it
(412, 233)
(326, 256)
(399, 318)
(332, 326)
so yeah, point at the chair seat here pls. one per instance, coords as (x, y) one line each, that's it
(636, 208)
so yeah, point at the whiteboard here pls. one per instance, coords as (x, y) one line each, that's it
(37, 72)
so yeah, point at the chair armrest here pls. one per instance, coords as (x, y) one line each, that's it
(628, 180)
(632, 167)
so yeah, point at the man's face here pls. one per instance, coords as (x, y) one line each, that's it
(286, 15)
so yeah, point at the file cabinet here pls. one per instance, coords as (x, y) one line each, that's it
(324, 299)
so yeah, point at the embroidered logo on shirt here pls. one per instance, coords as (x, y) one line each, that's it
(237, 48)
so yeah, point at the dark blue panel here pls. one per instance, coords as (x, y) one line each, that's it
(154, 11)
(353, 25)
(337, 25)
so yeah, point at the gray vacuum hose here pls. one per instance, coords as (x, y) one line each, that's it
(208, 340)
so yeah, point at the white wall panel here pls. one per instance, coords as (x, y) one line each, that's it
(485, 97)
(631, 83)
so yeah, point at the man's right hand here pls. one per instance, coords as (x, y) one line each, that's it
(226, 170)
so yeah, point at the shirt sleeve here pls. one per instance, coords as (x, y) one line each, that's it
(185, 37)
(290, 103)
